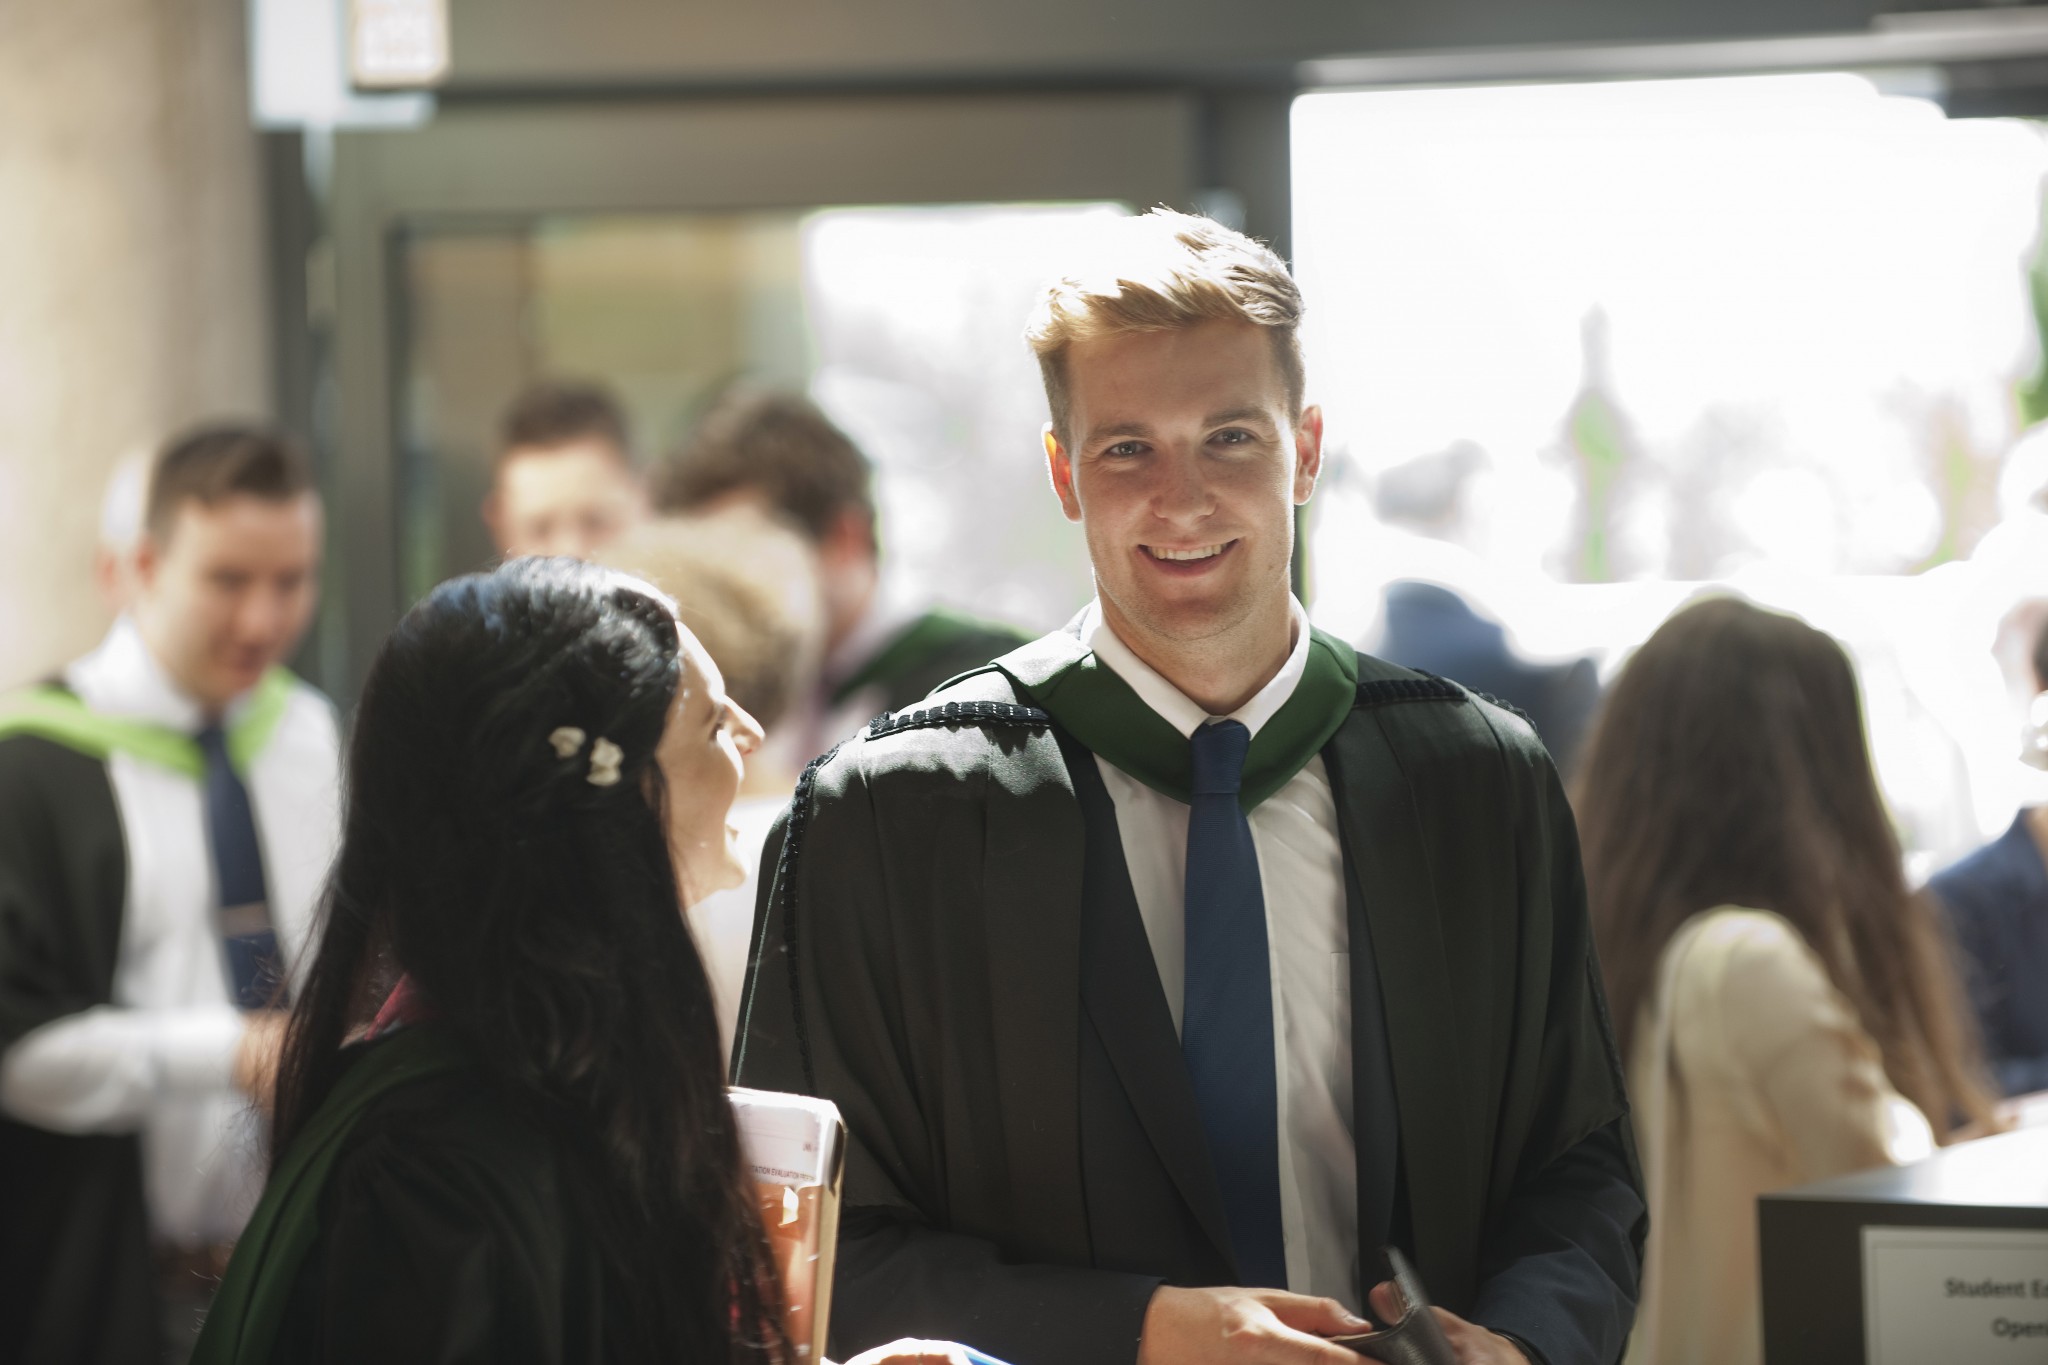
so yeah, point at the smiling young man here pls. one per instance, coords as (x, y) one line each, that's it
(167, 814)
(1173, 965)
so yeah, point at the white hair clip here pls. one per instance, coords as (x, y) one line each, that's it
(604, 764)
(605, 756)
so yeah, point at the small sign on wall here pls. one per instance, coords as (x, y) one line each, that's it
(1959, 1296)
(397, 44)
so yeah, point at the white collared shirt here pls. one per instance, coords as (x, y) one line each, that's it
(158, 1059)
(1301, 870)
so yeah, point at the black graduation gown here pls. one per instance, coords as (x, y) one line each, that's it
(934, 648)
(447, 1232)
(76, 1277)
(950, 950)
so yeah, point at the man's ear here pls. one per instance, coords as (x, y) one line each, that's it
(148, 558)
(1061, 467)
(1308, 453)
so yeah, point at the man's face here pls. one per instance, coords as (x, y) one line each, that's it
(1187, 463)
(228, 591)
(563, 500)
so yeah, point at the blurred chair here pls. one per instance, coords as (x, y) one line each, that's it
(1434, 629)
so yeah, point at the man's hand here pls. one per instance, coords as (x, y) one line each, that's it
(255, 1070)
(909, 1352)
(1245, 1327)
(1474, 1344)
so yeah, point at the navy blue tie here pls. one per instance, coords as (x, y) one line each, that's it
(254, 971)
(1226, 1031)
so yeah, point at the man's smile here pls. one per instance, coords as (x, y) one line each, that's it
(1188, 559)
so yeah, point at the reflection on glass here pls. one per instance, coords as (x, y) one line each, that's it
(918, 316)
(1584, 348)
(664, 311)
(905, 324)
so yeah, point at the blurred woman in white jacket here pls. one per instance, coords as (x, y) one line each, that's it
(1788, 1009)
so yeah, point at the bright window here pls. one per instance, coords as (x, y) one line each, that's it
(1585, 347)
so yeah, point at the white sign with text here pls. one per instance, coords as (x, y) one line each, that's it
(1959, 1296)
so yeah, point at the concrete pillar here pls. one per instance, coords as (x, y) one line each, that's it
(131, 277)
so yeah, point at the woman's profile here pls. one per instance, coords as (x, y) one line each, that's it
(1788, 1009)
(502, 1130)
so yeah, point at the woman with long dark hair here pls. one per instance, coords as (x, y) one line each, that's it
(1789, 1009)
(502, 1130)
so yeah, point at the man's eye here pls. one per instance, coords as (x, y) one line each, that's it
(1234, 437)
(1124, 450)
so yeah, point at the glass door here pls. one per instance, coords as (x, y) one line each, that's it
(904, 323)
(880, 253)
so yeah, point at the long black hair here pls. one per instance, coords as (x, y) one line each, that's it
(537, 913)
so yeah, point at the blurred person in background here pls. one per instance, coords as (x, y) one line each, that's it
(167, 811)
(884, 651)
(122, 508)
(1997, 903)
(1789, 1009)
(564, 482)
(502, 1125)
(747, 588)
(1428, 503)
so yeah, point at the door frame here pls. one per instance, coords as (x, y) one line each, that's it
(522, 162)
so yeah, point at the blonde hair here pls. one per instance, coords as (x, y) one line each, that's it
(1160, 272)
(748, 589)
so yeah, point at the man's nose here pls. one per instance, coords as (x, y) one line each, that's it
(1181, 491)
(261, 614)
